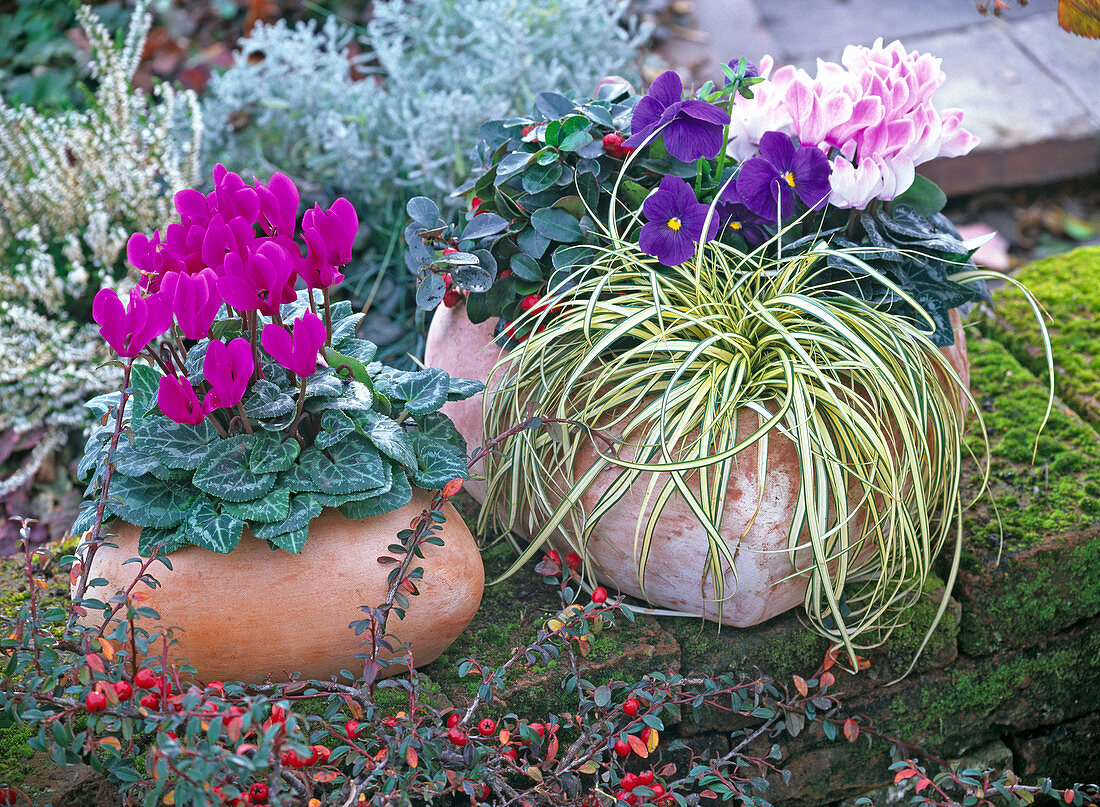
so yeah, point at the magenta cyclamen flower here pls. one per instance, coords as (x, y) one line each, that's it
(693, 129)
(227, 369)
(675, 222)
(296, 350)
(278, 204)
(194, 299)
(768, 184)
(128, 329)
(233, 197)
(260, 281)
(178, 401)
(330, 235)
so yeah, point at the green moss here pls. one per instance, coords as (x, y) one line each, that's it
(14, 754)
(1068, 286)
(895, 656)
(1030, 502)
(966, 703)
(1029, 598)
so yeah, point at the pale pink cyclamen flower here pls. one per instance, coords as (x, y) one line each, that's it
(752, 117)
(873, 116)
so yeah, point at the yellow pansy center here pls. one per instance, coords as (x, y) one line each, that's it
(789, 176)
(735, 225)
(674, 224)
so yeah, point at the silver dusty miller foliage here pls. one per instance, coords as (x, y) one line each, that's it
(73, 186)
(398, 119)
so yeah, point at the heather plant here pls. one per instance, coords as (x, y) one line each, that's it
(73, 185)
(393, 121)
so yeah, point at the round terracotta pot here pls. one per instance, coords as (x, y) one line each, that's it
(756, 528)
(258, 612)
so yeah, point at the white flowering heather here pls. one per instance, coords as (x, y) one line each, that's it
(72, 188)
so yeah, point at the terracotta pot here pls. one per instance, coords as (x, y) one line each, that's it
(258, 612)
(762, 586)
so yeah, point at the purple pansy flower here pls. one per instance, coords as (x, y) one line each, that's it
(768, 184)
(736, 217)
(693, 129)
(674, 223)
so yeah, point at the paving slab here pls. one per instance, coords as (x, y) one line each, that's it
(1072, 60)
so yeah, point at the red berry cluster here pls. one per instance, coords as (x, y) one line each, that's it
(452, 296)
(631, 782)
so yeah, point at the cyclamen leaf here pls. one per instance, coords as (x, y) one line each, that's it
(169, 540)
(272, 506)
(344, 330)
(291, 541)
(144, 381)
(323, 382)
(267, 400)
(437, 426)
(439, 462)
(389, 437)
(397, 496)
(355, 465)
(176, 445)
(207, 528)
(459, 389)
(303, 509)
(334, 426)
(422, 391)
(148, 502)
(225, 473)
(273, 453)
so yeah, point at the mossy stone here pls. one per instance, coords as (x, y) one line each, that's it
(1068, 287)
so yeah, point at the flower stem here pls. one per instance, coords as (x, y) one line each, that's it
(244, 418)
(328, 318)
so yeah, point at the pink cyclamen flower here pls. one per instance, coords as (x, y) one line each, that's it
(128, 329)
(233, 197)
(194, 300)
(227, 369)
(178, 401)
(278, 204)
(153, 259)
(296, 350)
(330, 235)
(261, 280)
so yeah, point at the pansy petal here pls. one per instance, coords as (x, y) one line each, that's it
(709, 113)
(754, 186)
(667, 88)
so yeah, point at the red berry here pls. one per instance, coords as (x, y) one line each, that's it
(529, 302)
(217, 686)
(630, 706)
(553, 556)
(452, 297)
(150, 701)
(95, 702)
(457, 736)
(528, 129)
(510, 753)
(449, 250)
(505, 273)
(658, 789)
(145, 679)
(538, 728)
(278, 714)
(486, 726)
(630, 781)
(321, 754)
(645, 778)
(627, 796)
(351, 728)
(258, 792)
(622, 748)
(475, 203)
(8, 796)
(573, 560)
(613, 145)
(599, 595)
(123, 690)
(292, 760)
(482, 792)
(453, 719)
